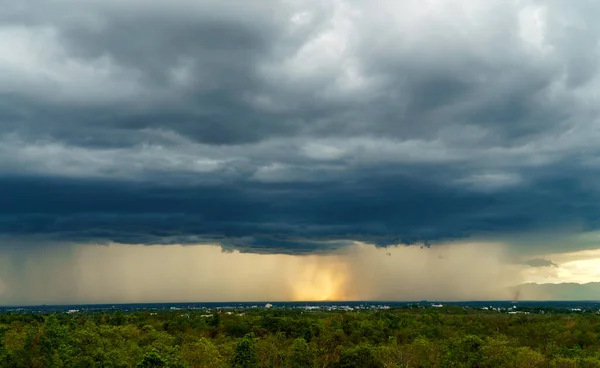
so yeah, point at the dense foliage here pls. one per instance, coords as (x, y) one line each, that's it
(442, 337)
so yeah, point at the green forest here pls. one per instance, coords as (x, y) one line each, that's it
(259, 337)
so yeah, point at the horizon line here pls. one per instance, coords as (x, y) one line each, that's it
(304, 301)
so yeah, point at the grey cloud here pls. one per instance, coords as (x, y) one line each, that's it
(297, 126)
(234, 62)
(538, 262)
(286, 218)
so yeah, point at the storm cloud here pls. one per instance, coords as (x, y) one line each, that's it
(538, 262)
(297, 126)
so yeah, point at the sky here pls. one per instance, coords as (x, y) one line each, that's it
(150, 149)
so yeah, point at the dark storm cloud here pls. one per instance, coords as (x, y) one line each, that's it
(275, 218)
(297, 126)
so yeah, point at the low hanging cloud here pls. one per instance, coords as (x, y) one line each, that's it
(297, 127)
(538, 262)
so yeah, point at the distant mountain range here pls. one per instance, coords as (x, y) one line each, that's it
(562, 291)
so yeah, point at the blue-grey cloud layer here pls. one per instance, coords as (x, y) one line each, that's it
(297, 126)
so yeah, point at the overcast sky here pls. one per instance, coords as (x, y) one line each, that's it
(299, 127)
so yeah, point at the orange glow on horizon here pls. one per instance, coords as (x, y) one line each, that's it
(321, 281)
